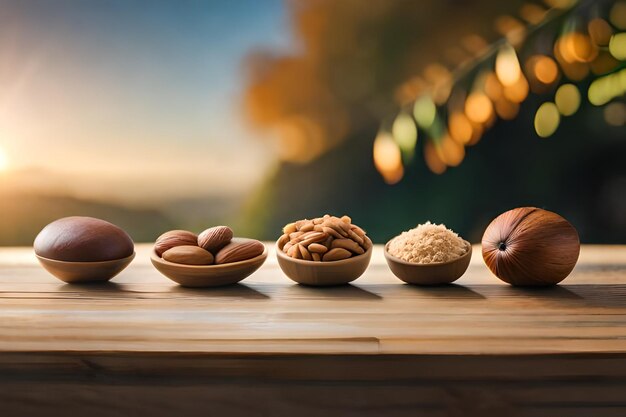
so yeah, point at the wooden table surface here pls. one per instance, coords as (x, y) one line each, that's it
(269, 330)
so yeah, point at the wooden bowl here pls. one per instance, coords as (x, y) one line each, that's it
(323, 273)
(207, 275)
(84, 272)
(429, 274)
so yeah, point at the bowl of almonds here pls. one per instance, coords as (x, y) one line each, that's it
(323, 251)
(212, 258)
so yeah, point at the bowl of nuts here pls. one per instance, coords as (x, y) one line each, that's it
(323, 251)
(212, 258)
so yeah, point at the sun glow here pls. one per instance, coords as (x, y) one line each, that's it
(4, 161)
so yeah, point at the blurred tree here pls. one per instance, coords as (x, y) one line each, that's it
(325, 105)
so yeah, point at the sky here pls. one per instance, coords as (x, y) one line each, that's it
(137, 99)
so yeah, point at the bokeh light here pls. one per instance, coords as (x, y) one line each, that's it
(559, 4)
(460, 127)
(492, 86)
(477, 133)
(604, 63)
(545, 69)
(617, 46)
(577, 47)
(506, 110)
(617, 15)
(518, 91)
(571, 68)
(600, 31)
(478, 107)
(300, 139)
(567, 99)
(387, 158)
(404, 133)
(449, 151)
(432, 160)
(547, 119)
(507, 66)
(532, 13)
(424, 112)
(604, 89)
(615, 114)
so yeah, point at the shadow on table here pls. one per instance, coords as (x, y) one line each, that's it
(347, 292)
(605, 295)
(229, 291)
(446, 291)
(600, 295)
(553, 294)
(91, 287)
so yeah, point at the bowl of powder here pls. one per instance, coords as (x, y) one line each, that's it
(430, 254)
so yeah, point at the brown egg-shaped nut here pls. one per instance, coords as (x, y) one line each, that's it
(83, 239)
(239, 249)
(530, 246)
(174, 238)
(188, 255)
(215, 238)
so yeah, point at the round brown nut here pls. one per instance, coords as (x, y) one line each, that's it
(174, 238)
(215, 238)
(83, 239)
(239, 249)
(188, 255)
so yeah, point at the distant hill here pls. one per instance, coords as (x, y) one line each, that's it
(32, 198)
(23, 215)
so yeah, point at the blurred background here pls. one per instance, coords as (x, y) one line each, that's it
(157, 115)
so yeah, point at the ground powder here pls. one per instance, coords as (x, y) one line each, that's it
(427, 243)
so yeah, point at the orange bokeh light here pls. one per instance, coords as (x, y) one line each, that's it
(478, 107)
(433, 162)
(545, 69)
(518, 91)
(600, 31)
(388, 158)
(450, 152)
(460, 128)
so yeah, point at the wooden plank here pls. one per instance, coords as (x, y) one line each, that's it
(143, 311)
(398, 385)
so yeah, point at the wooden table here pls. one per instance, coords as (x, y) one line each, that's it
(270, 347)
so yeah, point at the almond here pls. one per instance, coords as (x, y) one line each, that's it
(239, 249)
(290, 228)
(313, 237)
(317, 248)
(215, 238)
(348, 244)
(331, 231)
(188, 255)
(358, 239)
(307, 227)
(327, 238)
(306, 255)
(356, 229)
(294, 252)
(174, 238)
(336, 254)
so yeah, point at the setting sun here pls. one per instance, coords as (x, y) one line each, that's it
(4, 162)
